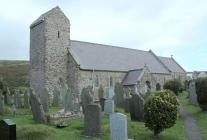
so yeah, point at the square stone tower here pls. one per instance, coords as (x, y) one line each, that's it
(49, 42)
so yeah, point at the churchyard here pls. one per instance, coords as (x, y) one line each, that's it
(102, 120)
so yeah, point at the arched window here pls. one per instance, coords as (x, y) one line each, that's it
(96, 81)
(111, 81)
(158, 87)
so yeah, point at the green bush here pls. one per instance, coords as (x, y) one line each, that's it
(174, 85)
(119, 95)
(160, 111)
(201, 91)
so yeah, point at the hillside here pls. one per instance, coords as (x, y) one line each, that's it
(15, 73)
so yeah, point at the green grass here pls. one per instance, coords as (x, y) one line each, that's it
(198, 114)
(28, 130)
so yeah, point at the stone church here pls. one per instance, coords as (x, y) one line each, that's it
(54, 56)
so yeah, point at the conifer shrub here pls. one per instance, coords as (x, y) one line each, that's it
(174, 85)
(119, 95)
(201, 91)
(160, 111)
(100, 92)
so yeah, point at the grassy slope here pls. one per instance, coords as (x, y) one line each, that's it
(198, 114)
(27, 130)
(15, 73)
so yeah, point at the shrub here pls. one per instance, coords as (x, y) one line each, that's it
(201, 91)
(160, 111)
(174, 85)
(100, 92)
(119, 95)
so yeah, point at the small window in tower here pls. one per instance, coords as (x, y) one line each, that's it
(58, 34)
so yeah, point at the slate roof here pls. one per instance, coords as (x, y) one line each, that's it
(131, 77)
(111, 58)
(172, 65)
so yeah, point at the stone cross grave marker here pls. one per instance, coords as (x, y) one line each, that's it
(192, 93)
(108, 107)
(92, 120)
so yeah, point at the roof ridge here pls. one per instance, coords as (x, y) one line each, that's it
(106, 45)
(156, 57)
(178, 64)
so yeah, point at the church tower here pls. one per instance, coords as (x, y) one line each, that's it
(49, 41)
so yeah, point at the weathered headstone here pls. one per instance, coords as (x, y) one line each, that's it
(26, 99)
(192, 93)
(7, 130)
(14, 110)
(118, 126)
(110, 93)
(44, 98)
(1, 103)
(92, 121)
(56, 97)
(108, 107)
(37, 108)
(86, 98)
(102, 102)
(137, 107)
(127, 105)
(68, 104)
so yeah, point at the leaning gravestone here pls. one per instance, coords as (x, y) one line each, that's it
(1, 103)
(108, 107)
(192, 93)
(37, 108)
(118, 126)
(7, 130)
(137, 107)
(92, 120)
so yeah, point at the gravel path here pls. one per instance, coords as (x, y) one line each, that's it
(190, 127)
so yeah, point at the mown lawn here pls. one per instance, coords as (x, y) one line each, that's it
(28, 130)
(198, 114)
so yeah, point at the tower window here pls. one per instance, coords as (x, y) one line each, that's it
(58, 34)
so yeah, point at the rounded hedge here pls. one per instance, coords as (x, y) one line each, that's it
(174, 85)
(160, 111)
(201, 91)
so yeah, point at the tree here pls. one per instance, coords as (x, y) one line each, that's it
(160, 111)
(100, 92)
(174, 85)
(119, 95)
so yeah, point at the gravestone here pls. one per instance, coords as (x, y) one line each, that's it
(108, 107)
(127, 104)
(56, 97)
(118, 126)
(110, 94)
(192, 93)
(92, 120)
(7, 130)
(1, 103)
(102, 101)
(37, 108)
(26, 99)
(68, 101)
(137, 107)
(44, 98)
(86, 98)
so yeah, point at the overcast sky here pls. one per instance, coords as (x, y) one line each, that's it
(168, 27)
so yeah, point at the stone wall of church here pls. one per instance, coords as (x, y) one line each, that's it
(88, 78)
(37, 57)
(57, 34)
